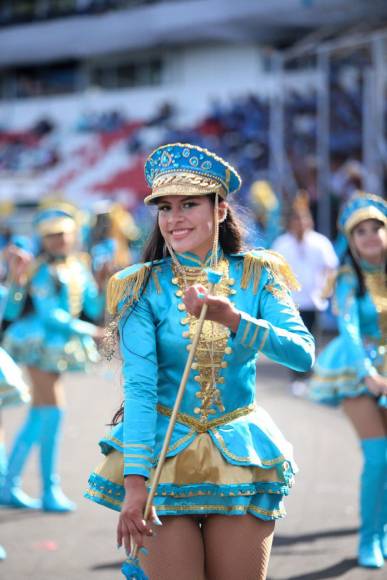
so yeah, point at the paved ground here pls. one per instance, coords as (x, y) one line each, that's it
(317, 540)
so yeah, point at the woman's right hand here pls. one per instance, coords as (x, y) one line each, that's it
(19, 262)
(376, 384)
(131, 524)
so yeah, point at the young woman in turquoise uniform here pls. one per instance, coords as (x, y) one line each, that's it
(228, 466)
(352, 369)
(49, 337)
(13, 391)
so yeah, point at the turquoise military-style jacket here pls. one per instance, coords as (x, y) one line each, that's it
(156, 333)
(50, 334)
(360, 348)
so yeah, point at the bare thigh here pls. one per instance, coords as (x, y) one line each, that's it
(176, 552)
(237, 547)
(368, 420)
(46, 388)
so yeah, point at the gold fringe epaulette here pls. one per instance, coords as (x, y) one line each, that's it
(121, 287)
(274, 263)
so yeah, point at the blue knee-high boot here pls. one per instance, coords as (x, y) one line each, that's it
(53, 499)
(383, 518)
(371, 498)
(11, 493)
(3, 471)
(3, 464)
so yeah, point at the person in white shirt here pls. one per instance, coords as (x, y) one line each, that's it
(312, 258)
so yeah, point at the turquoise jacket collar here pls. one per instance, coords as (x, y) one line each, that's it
(370, 268)
(192, 260)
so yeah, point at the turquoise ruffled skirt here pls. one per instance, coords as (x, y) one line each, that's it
(335, 378)
(31, 343)
(203, 476)
(13, 389)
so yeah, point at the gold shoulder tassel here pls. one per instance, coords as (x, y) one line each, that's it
(272, 261)
(128, 286)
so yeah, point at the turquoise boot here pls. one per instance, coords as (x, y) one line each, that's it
(53, 499)
(371, 497)
(383, 519)
(11, 493)
(3, 464)
(3, 471)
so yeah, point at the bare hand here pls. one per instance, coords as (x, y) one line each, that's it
(131, 524)
(377, 385)
(19, 262)
(219, 309)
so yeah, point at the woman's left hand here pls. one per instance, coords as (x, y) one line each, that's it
(219, 308)
(19, 263)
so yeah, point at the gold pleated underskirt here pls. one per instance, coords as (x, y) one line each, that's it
(200, 462)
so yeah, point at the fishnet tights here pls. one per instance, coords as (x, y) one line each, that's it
(221, 548)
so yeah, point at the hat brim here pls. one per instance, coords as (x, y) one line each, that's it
(58, 225)
(362, 214)
(155, 197)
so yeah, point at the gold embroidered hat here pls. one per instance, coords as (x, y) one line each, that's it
(360, 207)
(184, 169)
(55, 220)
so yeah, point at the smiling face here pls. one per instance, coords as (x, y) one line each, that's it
(187, 223)
(370, 240)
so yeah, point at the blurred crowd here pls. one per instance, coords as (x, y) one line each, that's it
(238, 131)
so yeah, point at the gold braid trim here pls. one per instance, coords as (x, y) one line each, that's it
(202, 427)
(274, 263)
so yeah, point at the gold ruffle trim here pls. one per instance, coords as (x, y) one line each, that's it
(274, 263)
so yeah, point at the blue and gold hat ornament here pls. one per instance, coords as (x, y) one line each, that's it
(360, 207)
(183, 169)
(56, 218)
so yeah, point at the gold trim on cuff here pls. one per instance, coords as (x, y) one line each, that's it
(264, 338)
(252, 341)
(246, 332)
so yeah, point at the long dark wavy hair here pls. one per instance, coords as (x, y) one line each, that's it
(361, 286)
(231, 233)
(349, 258)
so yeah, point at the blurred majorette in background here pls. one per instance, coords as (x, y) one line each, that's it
(267, 211)
(48, 335)
(13, 391)
(111, 236)
(352, 369)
